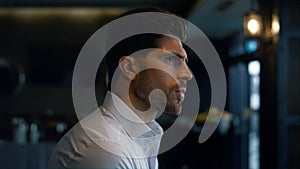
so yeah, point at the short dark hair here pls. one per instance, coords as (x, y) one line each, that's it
(138, 42)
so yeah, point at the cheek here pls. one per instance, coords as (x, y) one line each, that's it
(151, 79)
(163, 80)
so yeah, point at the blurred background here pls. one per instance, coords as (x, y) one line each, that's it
(257, 40)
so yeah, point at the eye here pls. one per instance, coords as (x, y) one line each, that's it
(171, 59)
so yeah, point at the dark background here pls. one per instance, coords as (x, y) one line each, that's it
(40, 42)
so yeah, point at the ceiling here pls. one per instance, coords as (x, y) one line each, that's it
(216, 18)
(220, 18)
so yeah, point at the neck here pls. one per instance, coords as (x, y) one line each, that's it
(141, 109)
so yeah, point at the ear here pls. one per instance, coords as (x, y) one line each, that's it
(129, 66)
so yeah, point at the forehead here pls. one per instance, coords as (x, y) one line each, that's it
(171, 44)
(165, 40)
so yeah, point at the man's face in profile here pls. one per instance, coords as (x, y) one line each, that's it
(170, 77)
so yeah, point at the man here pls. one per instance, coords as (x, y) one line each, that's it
(122, 133)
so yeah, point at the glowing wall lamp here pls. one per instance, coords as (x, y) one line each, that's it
(275, 24)
(255, 29)
(252, 25)
(275, 27)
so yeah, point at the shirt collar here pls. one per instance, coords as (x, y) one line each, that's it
(132, 124)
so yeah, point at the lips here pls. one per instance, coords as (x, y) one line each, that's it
(179, 94)
(180, 90)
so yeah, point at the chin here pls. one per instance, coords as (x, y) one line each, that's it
(174, 112)
(173, 108)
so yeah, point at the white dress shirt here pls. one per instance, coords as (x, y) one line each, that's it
(108, 138)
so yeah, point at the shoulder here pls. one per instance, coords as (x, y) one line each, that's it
(100, 126)
(93, 142)
(89, 156)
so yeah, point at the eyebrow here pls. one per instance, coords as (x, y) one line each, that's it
(182, 57)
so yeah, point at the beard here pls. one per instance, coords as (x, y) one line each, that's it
(147, 81)
(173, 108)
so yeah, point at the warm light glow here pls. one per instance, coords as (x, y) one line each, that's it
(275, 25)
(253, 26)
(30, 12)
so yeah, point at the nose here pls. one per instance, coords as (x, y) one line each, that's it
(185, 73)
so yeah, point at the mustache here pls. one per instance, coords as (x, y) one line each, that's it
(178, 86)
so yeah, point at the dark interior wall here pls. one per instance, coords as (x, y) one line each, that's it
(46, 45)
(43, 46)
(288, 82)
(279, 125)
